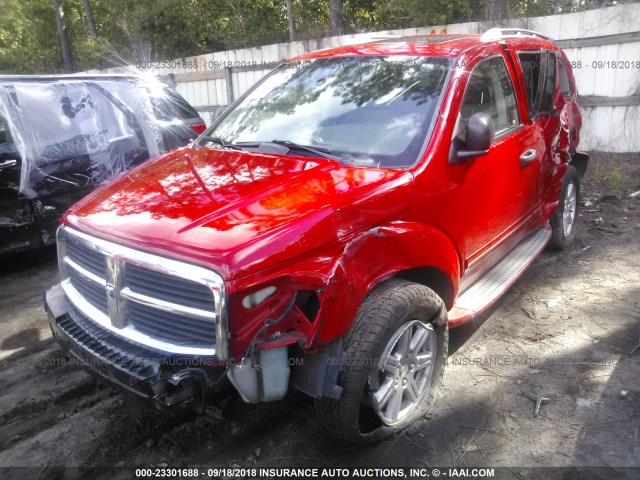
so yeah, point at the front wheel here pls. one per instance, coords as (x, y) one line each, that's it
(395, 355)
(564, 220)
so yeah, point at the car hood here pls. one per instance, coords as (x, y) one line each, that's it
(238, 212)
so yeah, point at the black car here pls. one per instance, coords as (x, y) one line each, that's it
(61, 136)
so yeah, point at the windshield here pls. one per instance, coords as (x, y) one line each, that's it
(374, 111)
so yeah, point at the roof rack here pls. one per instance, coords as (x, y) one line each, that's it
(497, 33)
(383, 36)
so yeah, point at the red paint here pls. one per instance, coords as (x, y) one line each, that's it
(198, 127)
(313, 224)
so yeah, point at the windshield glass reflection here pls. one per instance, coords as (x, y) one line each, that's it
(373, 111)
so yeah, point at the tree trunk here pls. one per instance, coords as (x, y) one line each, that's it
(494, 12)
(335, 16)
(62, 34)
(90, 21)
(292, 25)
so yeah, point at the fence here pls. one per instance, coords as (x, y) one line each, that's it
(603, 46)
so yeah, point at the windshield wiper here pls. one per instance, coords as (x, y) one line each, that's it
(319, 151)
(220, 141)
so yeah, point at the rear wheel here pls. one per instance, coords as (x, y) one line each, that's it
(564, 220)
(396, 350)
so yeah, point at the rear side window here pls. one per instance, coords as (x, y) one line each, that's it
(490, 90)
(171, 106)
(539, 73)
(563, 79)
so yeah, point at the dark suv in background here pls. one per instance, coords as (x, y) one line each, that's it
(61, 136)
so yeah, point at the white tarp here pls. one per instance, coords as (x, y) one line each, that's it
(78, 132)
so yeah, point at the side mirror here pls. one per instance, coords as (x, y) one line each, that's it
(479, 134)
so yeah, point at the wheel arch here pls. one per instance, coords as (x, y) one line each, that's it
(431, 277)
(414, 251)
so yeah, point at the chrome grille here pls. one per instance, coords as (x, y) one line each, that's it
(171, 289)
(154, 301)
(168, 325)
(95, 294)
(92, 261)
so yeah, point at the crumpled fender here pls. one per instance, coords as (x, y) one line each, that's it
(374, 256)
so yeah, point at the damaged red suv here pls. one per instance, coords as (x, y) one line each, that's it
(326, 232)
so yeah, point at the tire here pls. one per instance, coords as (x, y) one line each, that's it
(391, 313)
(565, 218)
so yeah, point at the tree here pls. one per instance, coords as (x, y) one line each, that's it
(292, 24)
(34, 41)
(62, 35)
(335, 17)
(90, 22)
(495, 11)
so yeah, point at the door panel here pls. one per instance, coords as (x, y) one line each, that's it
(546, 87)
(500, 189)
(501, 192)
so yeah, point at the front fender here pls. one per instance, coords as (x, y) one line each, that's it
(374, 256)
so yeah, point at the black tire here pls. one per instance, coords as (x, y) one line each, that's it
(385, 310)
(560, 238)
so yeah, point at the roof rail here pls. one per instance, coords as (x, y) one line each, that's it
(497, 33)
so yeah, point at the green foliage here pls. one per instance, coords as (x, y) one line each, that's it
(28, 40)
(133, 30)
(417, 13)
(250, 23)
(614, 179)
(178, 29)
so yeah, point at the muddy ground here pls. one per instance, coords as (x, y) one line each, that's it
(567, 329)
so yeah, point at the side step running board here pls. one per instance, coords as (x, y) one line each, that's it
(487, 289)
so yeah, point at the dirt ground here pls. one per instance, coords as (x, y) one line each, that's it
(567, 330)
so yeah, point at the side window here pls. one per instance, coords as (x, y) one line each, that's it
(565, 84)
(4, 131)
(539, 72)
(546, 104)
(490, 90)
(171, 106)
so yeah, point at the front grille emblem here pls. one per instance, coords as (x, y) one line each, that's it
(111, 291)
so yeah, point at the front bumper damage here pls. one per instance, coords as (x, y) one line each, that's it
(169, 382)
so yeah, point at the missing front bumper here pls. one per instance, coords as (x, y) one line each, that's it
(169, 382)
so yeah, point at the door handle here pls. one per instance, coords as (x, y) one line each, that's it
(527, 157)
(8, 163)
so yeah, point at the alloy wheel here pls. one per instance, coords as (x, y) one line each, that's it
(406, 368)
(569, 211)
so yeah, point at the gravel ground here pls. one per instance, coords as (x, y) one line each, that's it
(566, 330)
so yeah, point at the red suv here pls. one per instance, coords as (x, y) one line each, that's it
(327, 231)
